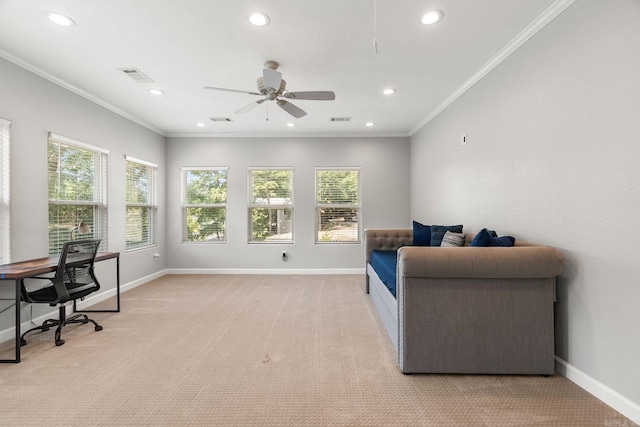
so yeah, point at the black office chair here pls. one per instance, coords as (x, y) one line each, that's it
(74, 279)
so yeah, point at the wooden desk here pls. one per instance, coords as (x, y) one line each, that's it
(19, 270)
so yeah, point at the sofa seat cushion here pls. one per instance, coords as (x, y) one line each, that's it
(384, 263)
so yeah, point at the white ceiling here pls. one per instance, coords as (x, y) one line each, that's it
(320, 45)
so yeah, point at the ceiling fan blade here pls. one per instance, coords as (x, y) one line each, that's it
(232, 90)
(249, 107)
(272, 78)
(291, 109)
(314, 95)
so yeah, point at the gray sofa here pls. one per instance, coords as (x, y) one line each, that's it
(467, 310)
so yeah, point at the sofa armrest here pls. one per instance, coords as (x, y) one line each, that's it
(527, 262)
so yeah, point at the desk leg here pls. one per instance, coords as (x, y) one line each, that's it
(118, 282)
(117, 310)
(17, 344)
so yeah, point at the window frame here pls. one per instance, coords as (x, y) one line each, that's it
(319, 206)
(271, 206)
(151, 205)
(99, 222)
(5, 189)
(185, 206)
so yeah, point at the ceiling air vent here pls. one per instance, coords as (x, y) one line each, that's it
(136, 75)
(220, 119)
(340, 119)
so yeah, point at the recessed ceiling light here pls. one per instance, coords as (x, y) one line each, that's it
(369, 124)
(290, 124)
(200, 124)
(155, 91)
(259, 19)
(389, 91)
(61, 19)
(432, 17)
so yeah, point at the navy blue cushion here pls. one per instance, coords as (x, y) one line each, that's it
(384, 264)
(421, 234)
(485, 238)
(503, 241)
(438, 231)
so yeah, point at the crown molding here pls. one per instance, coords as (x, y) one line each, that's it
(538, 24)
(286, 135)
(35, 70)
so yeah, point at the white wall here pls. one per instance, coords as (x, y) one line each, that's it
(553, 157)
(385, 200)
(36, 106)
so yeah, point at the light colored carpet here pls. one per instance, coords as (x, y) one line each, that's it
(242, 350)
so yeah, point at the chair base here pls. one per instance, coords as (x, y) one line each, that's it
(60, 323)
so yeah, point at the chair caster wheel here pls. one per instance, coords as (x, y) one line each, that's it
(98, 328)
(23, 342)
(59, 342)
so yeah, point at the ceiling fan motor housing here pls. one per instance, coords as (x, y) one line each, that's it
(271, 94)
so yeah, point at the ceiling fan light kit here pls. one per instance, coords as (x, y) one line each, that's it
(271, 86)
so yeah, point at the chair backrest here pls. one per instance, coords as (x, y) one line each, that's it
(75, 269)
(78, 253)
(74, 277)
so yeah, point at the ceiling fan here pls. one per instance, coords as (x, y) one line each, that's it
(272, 87)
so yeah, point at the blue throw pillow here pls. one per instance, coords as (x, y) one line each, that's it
(484, 238)
(503, 241)
(438, 231)
(421, 234)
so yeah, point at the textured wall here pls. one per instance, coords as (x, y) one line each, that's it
(552, 157)
(385, 198)
(35, 106)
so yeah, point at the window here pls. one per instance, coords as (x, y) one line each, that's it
(271, 205)
(338, 205)
(5, 243)
(204, 204)
(142, 204)
(77, 192)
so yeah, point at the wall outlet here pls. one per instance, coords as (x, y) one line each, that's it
(284, 255)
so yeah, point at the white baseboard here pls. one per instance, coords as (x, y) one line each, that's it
(265, 271)
(609, 396)
(94, 299)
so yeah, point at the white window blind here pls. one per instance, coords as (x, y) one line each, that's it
(142, 204)
(77, 175)
(5, 210)
(204, 204)
(270, 205)
(338, 209)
